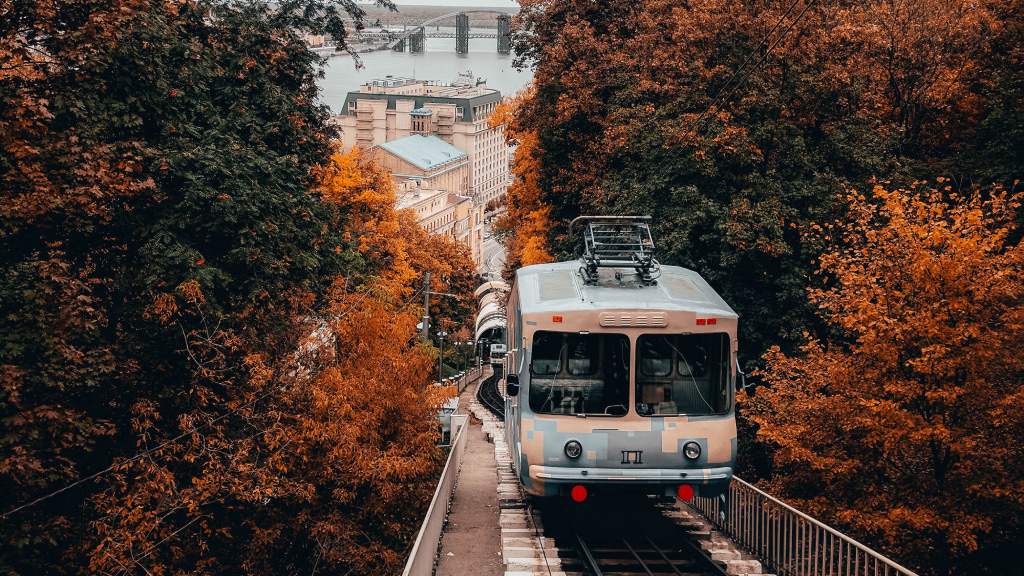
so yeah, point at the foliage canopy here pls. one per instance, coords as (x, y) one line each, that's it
(208, 352)
(740, 127)
(908, 432)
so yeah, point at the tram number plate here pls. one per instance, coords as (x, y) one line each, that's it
(632, 456)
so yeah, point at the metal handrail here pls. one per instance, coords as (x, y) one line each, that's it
(789, 542)
(421, 558)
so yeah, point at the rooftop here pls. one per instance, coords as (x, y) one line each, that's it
(424, 93)
(410, 198)
(557, 286)
(392, 81)
(424, 152)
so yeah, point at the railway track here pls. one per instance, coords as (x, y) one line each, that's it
(489, 397)
(622, 536)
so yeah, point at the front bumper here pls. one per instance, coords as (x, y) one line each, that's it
(646, 476)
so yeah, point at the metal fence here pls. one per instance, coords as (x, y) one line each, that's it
(468, 377)
(421, 559)
(789, 542)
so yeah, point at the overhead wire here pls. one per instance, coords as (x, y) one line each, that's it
(696, 125)
(736, 72)
(149, 451)
(767, 52)
(138, 456)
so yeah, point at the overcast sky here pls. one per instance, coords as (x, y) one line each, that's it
(464, 3)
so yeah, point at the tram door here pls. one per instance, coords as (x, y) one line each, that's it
(512, 412)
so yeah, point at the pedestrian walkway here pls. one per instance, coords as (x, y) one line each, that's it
(471, 543)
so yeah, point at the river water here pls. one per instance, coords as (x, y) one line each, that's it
(438, 62)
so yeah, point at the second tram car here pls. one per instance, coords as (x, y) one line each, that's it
(620, 373)
(490, 321)
(497, 353)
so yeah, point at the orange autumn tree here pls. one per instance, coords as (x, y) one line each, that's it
(337, 457)
(392, 242)
(163, 254)
(734, 124)
(907, 430)
(156, 235)
(336, 460)
(527, 220)
(368, 441)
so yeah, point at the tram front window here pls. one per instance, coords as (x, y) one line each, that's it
(683, 374)
(572, 373)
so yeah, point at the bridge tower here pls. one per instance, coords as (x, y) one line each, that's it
(400, 46)
(462, 33)
(418, 41)
(504, 34)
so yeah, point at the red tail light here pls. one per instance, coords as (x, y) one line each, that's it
(685, 492)
(579, 493)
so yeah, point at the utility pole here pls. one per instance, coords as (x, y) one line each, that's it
(425, 333)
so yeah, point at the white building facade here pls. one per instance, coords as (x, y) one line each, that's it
(394, 108)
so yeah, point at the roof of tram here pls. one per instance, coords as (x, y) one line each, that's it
(558, 286)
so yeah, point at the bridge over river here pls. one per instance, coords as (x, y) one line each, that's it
(414, 37)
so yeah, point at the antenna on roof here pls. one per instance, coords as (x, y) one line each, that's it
(617, 242)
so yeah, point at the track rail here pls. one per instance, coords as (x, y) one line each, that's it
(489, 397)
(624, 536)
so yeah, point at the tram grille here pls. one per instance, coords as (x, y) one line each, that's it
(640, 320)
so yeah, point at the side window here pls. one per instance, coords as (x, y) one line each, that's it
(519, 331)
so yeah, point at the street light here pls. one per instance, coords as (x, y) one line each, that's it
(463, 360)
(440, 360)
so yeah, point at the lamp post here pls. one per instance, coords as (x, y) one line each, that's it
(440, 360)
(463, 361)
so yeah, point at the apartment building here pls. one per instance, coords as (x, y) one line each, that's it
(394, 108)
(443, 212)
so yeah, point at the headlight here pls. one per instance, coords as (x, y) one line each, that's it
(573, 449)
(691, 450)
